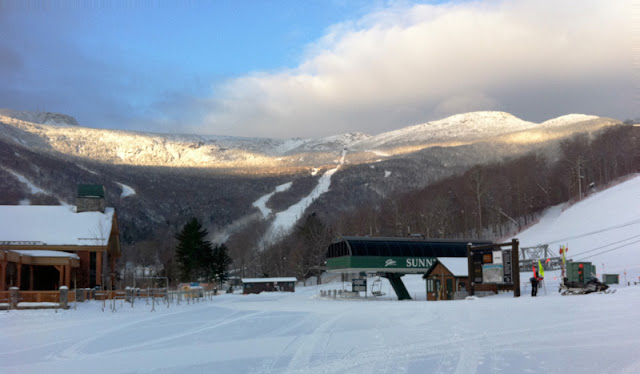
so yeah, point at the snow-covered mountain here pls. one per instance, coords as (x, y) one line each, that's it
(157, 181)
(50, 132)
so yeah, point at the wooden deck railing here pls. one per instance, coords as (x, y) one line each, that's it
(28, 299)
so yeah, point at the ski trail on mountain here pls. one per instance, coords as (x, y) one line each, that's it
(261, 203)
(285, 220)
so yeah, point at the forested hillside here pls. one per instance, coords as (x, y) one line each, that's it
(489, 201)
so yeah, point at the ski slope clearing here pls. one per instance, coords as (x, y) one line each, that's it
(300, 333)
(603, 228)
(126, 190)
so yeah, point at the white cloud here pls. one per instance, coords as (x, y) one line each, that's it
(406, 65)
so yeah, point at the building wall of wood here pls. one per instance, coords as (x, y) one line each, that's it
(249, 288)
(442, 285)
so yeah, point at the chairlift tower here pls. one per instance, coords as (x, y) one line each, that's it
(529, 257)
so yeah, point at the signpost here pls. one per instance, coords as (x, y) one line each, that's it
(358, 285)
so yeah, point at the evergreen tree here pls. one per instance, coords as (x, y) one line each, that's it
(220, 262)
(193, 252)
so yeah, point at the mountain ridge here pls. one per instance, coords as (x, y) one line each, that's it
(187, 150)
(219, 178)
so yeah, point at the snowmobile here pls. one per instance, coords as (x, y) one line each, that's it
(577, 288)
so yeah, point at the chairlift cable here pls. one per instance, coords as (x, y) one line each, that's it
(610, 250)
(610, 244)
(596, 231)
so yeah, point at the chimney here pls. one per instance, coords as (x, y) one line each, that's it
(90, 198)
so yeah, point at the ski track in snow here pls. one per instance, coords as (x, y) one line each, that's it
(299, 333)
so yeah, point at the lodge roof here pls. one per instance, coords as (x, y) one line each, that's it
(268, 280)
(41, 253)
(40, 257)
(32, 225)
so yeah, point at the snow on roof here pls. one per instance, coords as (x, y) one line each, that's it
(54, 225)
(39, 253)
(458, 266)
(267, 280)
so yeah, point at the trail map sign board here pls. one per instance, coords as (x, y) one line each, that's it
(492, 273)
(491, 265)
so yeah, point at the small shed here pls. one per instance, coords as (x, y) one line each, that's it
(580, 272)
(447, 279)
(257, 285)
(611, 278)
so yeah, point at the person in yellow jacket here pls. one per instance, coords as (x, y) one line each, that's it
(534, 282)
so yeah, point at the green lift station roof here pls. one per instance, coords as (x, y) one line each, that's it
(90, 190)
(391, 255)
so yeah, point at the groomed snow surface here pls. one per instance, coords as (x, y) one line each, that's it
(303, 333)
(299, 333)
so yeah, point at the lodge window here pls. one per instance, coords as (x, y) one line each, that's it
(429, 285)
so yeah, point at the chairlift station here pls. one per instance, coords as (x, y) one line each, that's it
(392, 258)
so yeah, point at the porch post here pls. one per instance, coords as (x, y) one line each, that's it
(67, 273)
(112, 270)
(19, 271)
(60, 269)
(30, 277)
(3, 270)
(99, 269)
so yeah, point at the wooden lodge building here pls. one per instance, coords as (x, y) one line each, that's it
(45, 247)
(258, 285)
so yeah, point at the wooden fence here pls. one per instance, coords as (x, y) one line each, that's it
(151, 297)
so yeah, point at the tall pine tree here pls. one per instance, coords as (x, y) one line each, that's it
(193, 253)
(220, 263)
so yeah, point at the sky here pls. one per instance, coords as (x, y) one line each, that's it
(314, 68)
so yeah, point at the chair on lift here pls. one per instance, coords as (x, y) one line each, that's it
(376, 288)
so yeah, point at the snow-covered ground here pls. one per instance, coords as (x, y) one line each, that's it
(299, 333)
(303, 333)
(604, 229)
